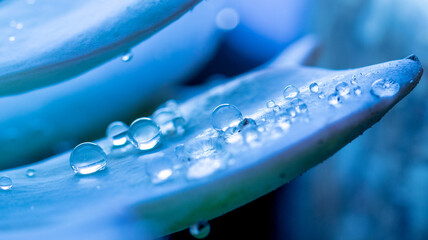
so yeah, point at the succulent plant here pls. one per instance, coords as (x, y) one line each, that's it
(193, 160)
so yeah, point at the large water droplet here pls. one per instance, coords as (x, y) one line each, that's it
(314, 88)
(144, 133)
(200, 230)
(290, 92)
(127, 57)
(31, 173)
(117, 132)
(385, 88)
(343, 89)
(335, 99)
(88, 158)
(5, 183)
(225, 116)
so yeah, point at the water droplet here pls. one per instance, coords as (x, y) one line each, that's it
(321, 95)
(302, 108)
(270, 104)
(251, 134)
(342, 89)
(314, 88)
(227, 19)
(291, 111)
(225, 116)
(385, 88)
(169, 121)
(290, 92)
(127, 57)
(335, 99)
(12, 38)
(203, 147)
(246, 122)
(5, 183)
(354, 80)
(88, 158)
(204, 167)
(160, 169)
(117, 132)
(144, 133)
(31, 173)
(200, 230)
(357, 90)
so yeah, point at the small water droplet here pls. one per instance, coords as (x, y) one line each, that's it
(225, 116)
(12, 38)
(88, 158)
(321, 95)
(144, 133)
(19, 26)
(290, 92)
(5, 183)
(204, 167)
(385, 88)
(335, 99)
(31, 173)
(227, 19)
(314, 88)
(160, 169)
(117, 132)
(127, 57)
(354, 80)
(204, 147)
(357, 90)
(291, 111)
(169, 121)
(200, 230)
(342, 89)
(270, 104)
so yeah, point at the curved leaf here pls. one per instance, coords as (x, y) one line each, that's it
(61, 39)
(56, 201)
(113, 91)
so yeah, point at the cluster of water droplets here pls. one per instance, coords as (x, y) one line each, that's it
(143, 134)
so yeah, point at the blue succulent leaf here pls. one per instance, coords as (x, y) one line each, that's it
(123, 201)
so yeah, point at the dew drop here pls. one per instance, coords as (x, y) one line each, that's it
(127, 57)
(290, 92)
(169, 121)
(19, 26)
(270, 104)
(144, 133)
(88, 158)
(354, 80)
(160, 169)
(385, 88)
(117, 133)
(342, 89)
(227, 19)
(5, 183)
(321, 95)
(291, 111)
(225, 116)
(357, 90)
(200, 230)
(204, 167)
(335, 99)
(31, 173)
(314, 88)
(203, 148)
